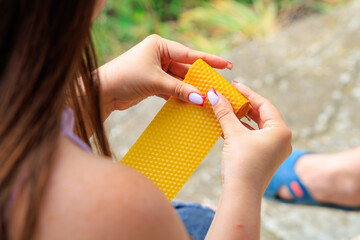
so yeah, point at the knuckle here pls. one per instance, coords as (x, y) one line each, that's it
(153, 37)
(222, 112)
(188, 54)
(179, 89)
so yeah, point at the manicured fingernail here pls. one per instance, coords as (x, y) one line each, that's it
(229, 65)
(235, 81)
(197, 99)
(212, 96)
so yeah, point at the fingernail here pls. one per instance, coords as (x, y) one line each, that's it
(197, 99)
(235, 81)
(229, 65)
(212, 96)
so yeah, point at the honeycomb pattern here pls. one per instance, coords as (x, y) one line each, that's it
(182, 134)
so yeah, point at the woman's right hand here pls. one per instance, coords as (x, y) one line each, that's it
(251, 157)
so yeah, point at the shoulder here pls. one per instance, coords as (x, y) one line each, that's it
(93, 198)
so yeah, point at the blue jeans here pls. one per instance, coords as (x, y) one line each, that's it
(196, 218)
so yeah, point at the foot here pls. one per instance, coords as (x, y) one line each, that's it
(330, 178)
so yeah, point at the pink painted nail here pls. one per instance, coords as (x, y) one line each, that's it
(235, 81)
(212, 96)
(197, 99)
(229, 65)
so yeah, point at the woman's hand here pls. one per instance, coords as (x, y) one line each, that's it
(251, 157)
(155, 66)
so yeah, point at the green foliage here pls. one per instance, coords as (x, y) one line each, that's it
(122, 23)
(226, 22)
(209, 25)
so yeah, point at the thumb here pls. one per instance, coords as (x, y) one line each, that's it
(224, 112)
(184, 91)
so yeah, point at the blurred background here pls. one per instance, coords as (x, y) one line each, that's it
(304, 56)
(214, 26)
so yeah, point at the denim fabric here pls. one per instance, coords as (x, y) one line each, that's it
(196, 218)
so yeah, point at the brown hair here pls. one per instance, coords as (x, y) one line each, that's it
(47, 59)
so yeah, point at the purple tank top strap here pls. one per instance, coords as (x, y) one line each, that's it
(67, 128)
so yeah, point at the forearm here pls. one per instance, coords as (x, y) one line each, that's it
(238, 214)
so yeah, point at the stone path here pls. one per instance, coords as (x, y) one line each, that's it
(311, 72)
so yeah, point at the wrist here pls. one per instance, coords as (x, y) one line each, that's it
(106, 78)
(242, 186)
(244, 175)
(242, 179)
(107, 108)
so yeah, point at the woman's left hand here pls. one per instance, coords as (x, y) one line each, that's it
(155, 66)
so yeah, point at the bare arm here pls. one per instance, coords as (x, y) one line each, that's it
(250, 158)
(89, 198)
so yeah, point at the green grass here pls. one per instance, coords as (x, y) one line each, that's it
(215, 26)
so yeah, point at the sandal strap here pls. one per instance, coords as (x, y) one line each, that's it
(286, 176)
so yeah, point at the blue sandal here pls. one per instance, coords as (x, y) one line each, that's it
(286, 176)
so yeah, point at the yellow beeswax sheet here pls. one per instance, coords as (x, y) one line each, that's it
(182, 134)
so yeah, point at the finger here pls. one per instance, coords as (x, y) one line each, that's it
(175, 76)
(224, 112)
(180, 53)
(178, 69)
(247, 125)
(181, 90)
(165, 97)
(255, 116)
(264, 112)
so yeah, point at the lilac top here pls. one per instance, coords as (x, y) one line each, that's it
(67, 128)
